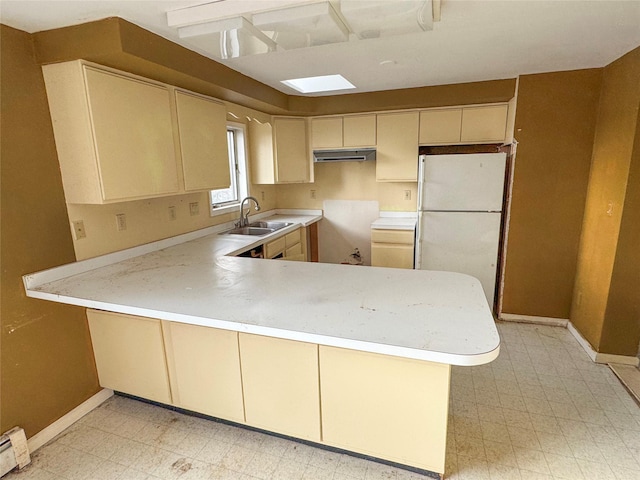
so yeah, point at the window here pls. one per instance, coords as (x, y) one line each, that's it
(234, 193)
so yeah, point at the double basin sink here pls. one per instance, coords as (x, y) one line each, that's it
(257, 228)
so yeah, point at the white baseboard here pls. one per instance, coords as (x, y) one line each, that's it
(601, 357)
(57, 427)
(512, 317)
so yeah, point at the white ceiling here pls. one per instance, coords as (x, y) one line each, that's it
(475, 40)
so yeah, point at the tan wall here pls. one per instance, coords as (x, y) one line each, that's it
(554, 127)
(621, 329)
(610, 170)
(47, 361)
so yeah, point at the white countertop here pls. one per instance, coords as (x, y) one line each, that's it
(396, 221)
(436, 316)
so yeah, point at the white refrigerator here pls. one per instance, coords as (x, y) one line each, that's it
(460, 201)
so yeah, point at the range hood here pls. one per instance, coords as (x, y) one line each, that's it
(350, 155)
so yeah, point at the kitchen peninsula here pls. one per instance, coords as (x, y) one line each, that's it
(356, 358)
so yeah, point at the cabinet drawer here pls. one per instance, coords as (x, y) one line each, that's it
(272, 249)
(392, 236)
(391, 255)
(293, 251)
(292, 238)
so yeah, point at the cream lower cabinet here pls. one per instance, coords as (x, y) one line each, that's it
(204, 369)
(280, 381)
(387, 407)
(129, 354)
(291, 246)
(392, 248)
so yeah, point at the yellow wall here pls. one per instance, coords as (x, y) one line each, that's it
(47, 364)
(554, 127)
(347, 181)
(613, 152)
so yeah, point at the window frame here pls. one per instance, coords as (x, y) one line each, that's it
(240, 171)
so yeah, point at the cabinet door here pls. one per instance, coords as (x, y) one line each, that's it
(484, 124)
(359, 131)
(133, 136)
(274, 247)
(388, 407)
(326, 132)
(293, 160)
(391, 255)
(261, 153)
(204, 368)
(129, 354)
(440, 126)
(397, 155)
(202, 127)
(280, 381)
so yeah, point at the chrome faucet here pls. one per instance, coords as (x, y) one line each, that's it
(244, 219)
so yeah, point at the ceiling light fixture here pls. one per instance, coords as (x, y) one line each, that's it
(324, 83)
(229, 38)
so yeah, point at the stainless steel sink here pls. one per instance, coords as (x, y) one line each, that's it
(249, 231)
(257, 228)
(273, 225)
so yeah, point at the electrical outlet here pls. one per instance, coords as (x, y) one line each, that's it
(121, 221)
(172, 213)
(262, 195)
(194, 208)
(407, 194)
(78, 229)
(313, 194)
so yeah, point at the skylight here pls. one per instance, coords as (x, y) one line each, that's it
(324, 83)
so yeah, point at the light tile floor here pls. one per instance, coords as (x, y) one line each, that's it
(542, 410)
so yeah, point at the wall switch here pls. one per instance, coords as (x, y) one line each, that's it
(407, 194)
(313, 194)
(172, 213)
(121, 221)
(194, 208)
(78, 229)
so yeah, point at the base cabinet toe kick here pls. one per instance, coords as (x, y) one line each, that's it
(387, 407)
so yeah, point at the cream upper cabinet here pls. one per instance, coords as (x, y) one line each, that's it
(440, 126)
(343, 131)
(129, 354)
(292, 154)
(450, 126)
(202, 128)
(204, 369)
(279, 151)
(392, 248)
(484, 124)
(397, 147)
(261, 152)
(359, 130)
(280, 384)
(326, 132)
(114, 134)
